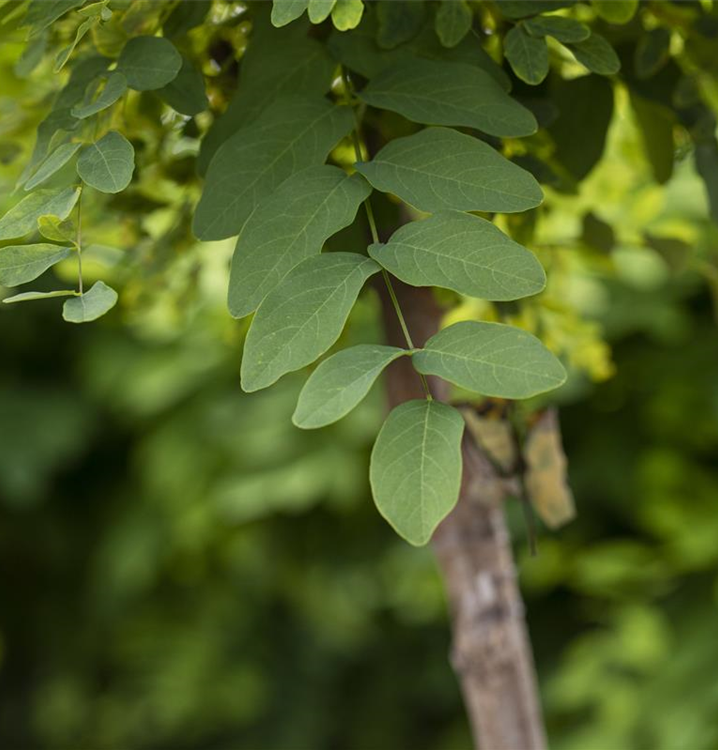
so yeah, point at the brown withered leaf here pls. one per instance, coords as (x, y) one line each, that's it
(493, 433)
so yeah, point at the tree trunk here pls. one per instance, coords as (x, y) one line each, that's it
(491, 652)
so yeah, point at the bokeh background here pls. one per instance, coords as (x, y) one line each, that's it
(182, 568)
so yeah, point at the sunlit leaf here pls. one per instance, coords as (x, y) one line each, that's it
(319, 10)
(346, 14)
(616, 11)
(108, 164)
(91, 305)
(55, 229)
(22, 263)
(22, 218)
(286, 11)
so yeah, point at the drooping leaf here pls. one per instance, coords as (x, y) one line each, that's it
(492, 359)
(54, 162)
(340, 383)
(55, 229)
(108, 164)
(30, 296)
(186, 93)
(43, 13)
(398, 23)
(346, 14)
(461, 252)
(439, 168)
(286, 11)
(319, 10)
(616, 11)
(653, 51)
(597, 55)
(91, 305)
(527, 54)
(302, 316)
(22, 218)
(64, 54)
(114, 88)
(453, 21)
(22, 263)
(149, 62)
(415, 470)
(292, 134)
(441, 93)
(290, 226)
(565, 30)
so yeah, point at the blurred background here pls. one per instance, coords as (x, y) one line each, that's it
(180, 567)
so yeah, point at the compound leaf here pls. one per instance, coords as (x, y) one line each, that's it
(340, 383)
(527, 54)
(439, 168)
(108, 164)
(91, 305)
(415, 470)
(302, 316)
(492, 359)
(289, 227)
(54, 163)
(22, 263)
(22, 218)
(149, 62)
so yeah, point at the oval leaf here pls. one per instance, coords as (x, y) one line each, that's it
(492, 359)
(91, 305)
(22, 218)
(286, 11)
(54, 162)
(461, 252)
(441, 93)
(149, 62)
(597, 55)
(289, 227)
(302, 316)
(22, 263)
(562, 29)
(415, 470)
(453, 21)
(108, 164)
(340, 383)
(115, 87)
(439, 169)
(186, 93)
(527, 54)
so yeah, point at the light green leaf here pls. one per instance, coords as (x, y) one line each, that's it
(492, 359)
(340, 383)
(616, 11)
(288, 227)
(22, 218)
(302, 316)
(439, 168)
(597, 55)
(108, 164)
(286, 11)
(64, 54)
(91, 305)
(114, 88)
(30, 296)
(186, 93)
(461, 252)
(346, 14)
(54, 162)
(453, 21)
(416, 464)
(523, 8)
(398, 22)
(31, 56)
(441, 93)
(562, 29)
(527, 54)
(149, 62)
(292, 134)
(22, 263)
(319, 10)
(55, 229)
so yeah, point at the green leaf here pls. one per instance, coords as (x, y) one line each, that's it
(22, 218)
(30, 296)
(565, 30)
(64, 55)
(186, 93)
(108, 164)
(319, 10)
(439, 168)
(461, 252)
(289, 227)
(340, 383)
(22, 263)
(527, 54)
(286, 11)
(453, 21)
(415, 470)
(442, 93)
(346, 14)
(616, 11)
(398, 22)
(55, 229)
(302, 316)
(292, 134)
(31, 56)
(597, 55)
(524, 8)
(656, 124)
(54, 162)
(43, 13)
(114, 88)
(653, 51)
(91, 305)
(149, 62)
(492, 359)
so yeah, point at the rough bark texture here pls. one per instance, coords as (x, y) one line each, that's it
(491, 652)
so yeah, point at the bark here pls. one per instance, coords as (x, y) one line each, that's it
(491, 652)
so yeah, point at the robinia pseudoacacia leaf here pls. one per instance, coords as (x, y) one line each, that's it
(527, 54)
(108, 164)
(597, 55)
(22, 218)
(286, 11)
(114, 88)
(22, 263)
(415, 470)
(54, 163)
(565, 30)
(453, 21)
(149, 62)
(91, 305)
